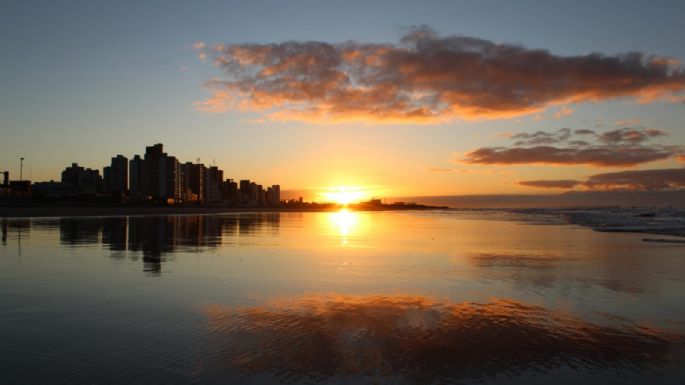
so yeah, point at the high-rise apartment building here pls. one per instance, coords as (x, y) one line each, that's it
(193, 181)
(213, 188)
(119, 175)
(85, 179)
(135, 174)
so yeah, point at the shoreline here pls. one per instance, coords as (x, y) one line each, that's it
(569, 216)
(99, 211)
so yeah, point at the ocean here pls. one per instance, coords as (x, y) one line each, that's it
(417, 297)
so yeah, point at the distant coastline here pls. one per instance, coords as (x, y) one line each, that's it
(34, 211)
(573, 199)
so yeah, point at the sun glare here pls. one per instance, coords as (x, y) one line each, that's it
(344, 195)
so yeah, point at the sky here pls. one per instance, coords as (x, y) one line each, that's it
(398, 98)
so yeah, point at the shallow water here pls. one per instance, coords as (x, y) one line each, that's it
(383, 297)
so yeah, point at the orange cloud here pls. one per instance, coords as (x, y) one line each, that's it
(564, 111)
(628, 122)
(425, 78)
(440, 169)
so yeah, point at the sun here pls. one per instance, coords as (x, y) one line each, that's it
(344, 195)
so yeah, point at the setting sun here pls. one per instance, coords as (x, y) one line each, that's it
(345, 194)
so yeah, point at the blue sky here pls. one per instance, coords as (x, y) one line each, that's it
(82, 81)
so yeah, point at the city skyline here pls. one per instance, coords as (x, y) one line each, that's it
(156, 177)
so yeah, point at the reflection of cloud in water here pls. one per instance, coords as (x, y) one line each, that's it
(421, 340)
(530, 270)
(545, 271)
(515, 260)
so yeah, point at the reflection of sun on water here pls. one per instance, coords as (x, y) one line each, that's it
(345, 221)
(346, 226)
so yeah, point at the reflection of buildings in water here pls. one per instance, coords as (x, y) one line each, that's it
(544, 271)
(114, 233)
(156, 237)
(5, 227)
(18, 228)
(255, 223)
(152, 237)
(422, 340)
(79, 231)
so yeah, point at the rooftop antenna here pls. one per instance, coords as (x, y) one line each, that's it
(213, 161)
(21, 168)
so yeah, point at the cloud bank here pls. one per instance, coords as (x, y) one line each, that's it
(618, 148)
(658, 179)
(557, 183)
(425, 78)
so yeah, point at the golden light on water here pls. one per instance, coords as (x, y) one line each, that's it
(345, 221)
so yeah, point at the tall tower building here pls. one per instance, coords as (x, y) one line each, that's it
(118, 183)
(275, 198)
(245, 188)
(172, 180)
(213, 189)
(136, 173)
(156, 171)
(193, 186)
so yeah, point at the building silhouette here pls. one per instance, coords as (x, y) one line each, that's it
(230, 189)
(138, 181)
(155, 176)
(160, 175)
(87, 180)
(193, 181)
(119, 175)
(213, 190)
(273, 195)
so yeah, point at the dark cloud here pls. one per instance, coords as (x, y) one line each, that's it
(542, 137)
(617, 148)
(424, 78)
(658, 179)
(630, 135)
(601, 156)
(558, 183)
(580, 143)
